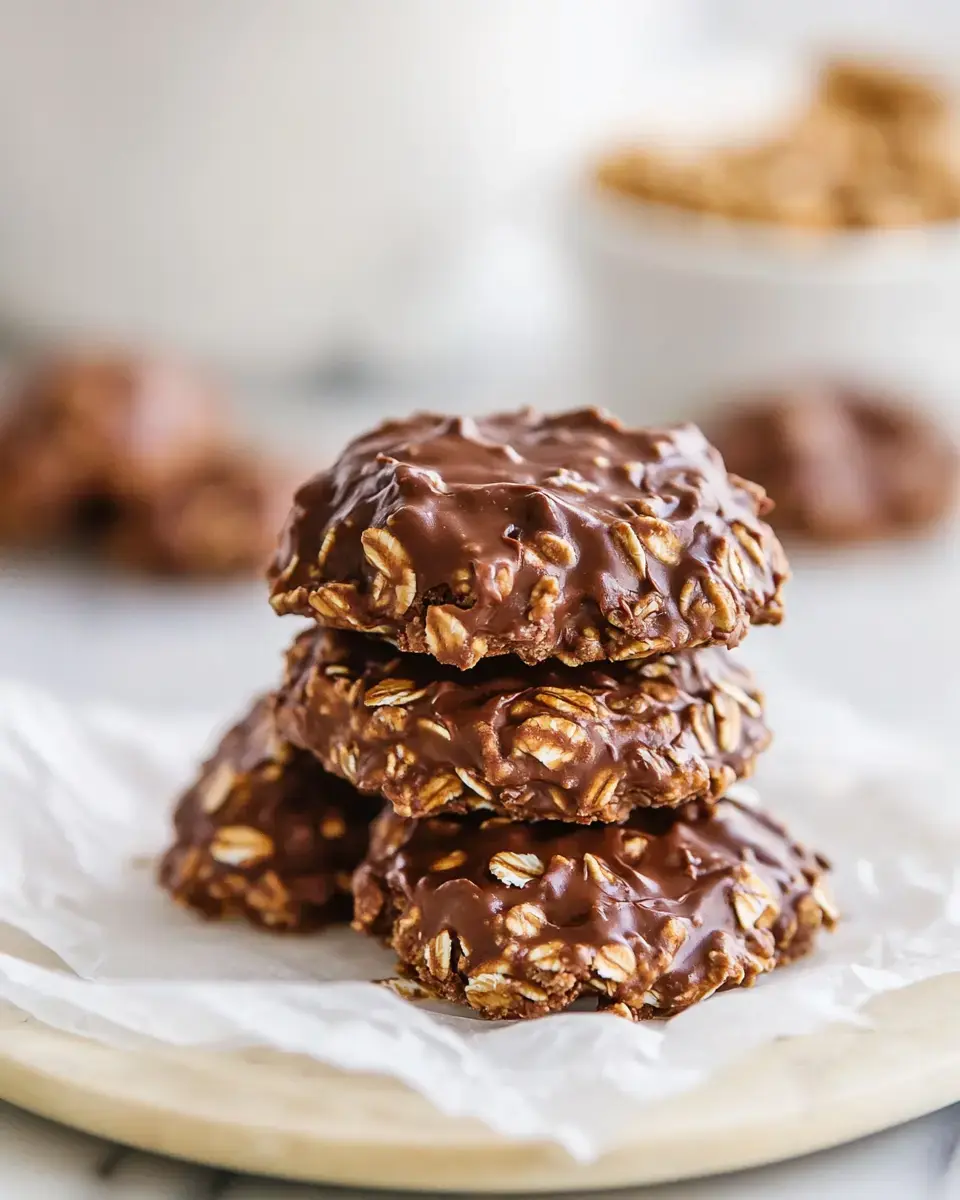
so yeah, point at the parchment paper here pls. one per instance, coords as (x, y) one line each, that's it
(85, 797)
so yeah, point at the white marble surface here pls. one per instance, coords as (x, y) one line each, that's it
(39, 1161)
(873, 626)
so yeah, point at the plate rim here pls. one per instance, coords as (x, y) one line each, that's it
(372, 1131)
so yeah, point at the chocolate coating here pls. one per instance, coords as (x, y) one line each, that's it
(265, 833)
(842, 465)
(544, 741)
(563, 535)
(517, 920)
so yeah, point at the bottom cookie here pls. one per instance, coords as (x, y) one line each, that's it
(518, 919)
(265, 833)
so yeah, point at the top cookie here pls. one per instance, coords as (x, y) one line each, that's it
(533, 535)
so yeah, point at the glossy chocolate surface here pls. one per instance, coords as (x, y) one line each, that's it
(518, 919)
(565, 535)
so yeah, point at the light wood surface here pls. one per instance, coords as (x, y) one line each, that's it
(290, 1117)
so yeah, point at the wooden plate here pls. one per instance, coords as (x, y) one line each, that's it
(283, 1116)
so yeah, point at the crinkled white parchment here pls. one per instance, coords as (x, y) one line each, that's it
(84, 809)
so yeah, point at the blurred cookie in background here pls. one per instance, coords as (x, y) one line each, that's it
(76, 430)
(841, 464)
(217, 515)
(135, 459)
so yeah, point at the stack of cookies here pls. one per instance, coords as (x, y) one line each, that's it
(520, 643)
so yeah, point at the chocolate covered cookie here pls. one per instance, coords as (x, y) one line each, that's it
(540, 536)
(265, 833)
(545, 741)
(652, 916)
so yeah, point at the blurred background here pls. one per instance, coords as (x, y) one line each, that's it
(327, 211)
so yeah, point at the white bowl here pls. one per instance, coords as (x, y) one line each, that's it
(680, 308)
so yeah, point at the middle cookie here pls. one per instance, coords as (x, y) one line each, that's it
(534, 742)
